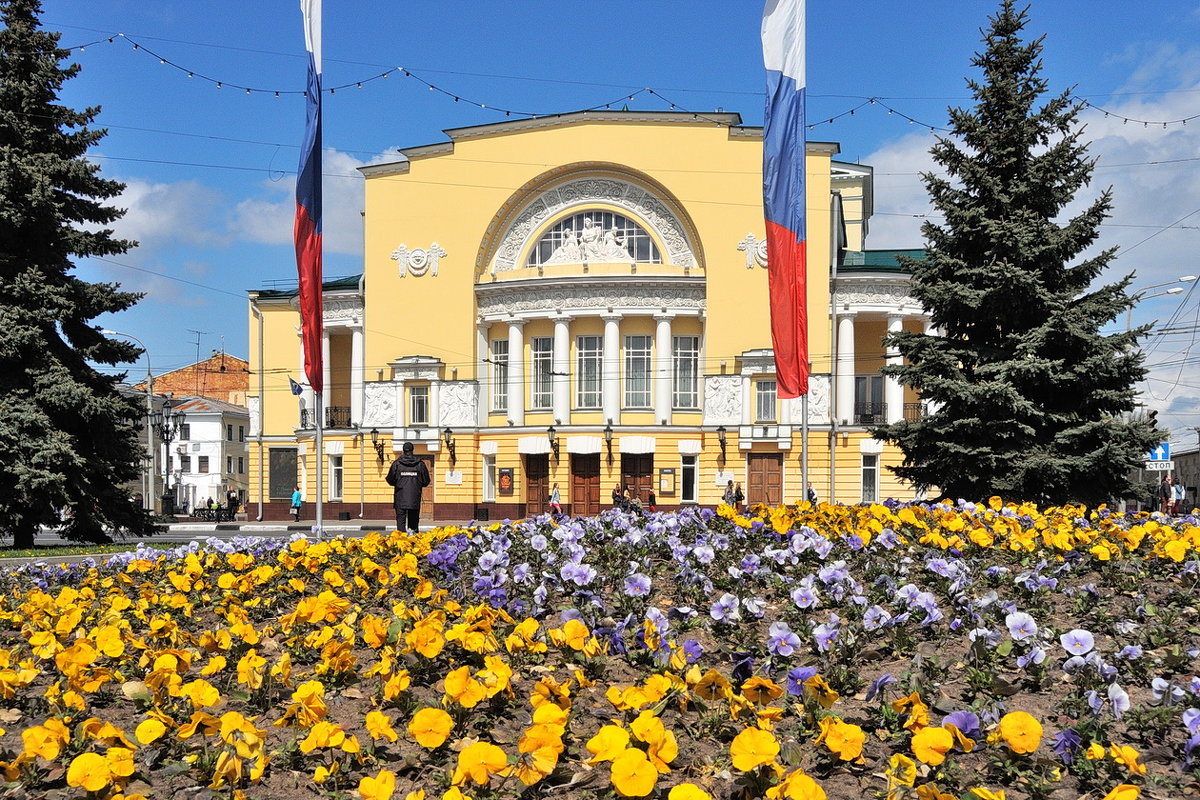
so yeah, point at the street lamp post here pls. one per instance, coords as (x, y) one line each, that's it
(168, 424)
(148, 483)
(1141, 295)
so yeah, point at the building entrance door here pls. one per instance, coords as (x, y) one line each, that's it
(585, 484)
(764, 478)
(427, 493)
(537, 484)
(637, 472)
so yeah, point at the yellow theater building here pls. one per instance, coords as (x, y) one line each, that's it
(580, 300)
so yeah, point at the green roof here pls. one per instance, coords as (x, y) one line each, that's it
(278, 292)
(877, 260)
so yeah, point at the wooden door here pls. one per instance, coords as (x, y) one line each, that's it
(637, 472)
(537, 484)
(427, 492)
(764, 478)
(585, 484)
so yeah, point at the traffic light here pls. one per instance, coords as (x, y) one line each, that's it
(1152, 418)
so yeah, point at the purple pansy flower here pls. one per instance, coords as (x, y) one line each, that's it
(1077, 642)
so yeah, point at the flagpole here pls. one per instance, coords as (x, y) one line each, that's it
(319, 525)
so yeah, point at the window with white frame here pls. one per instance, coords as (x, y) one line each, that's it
(637, 371)
(499, 362)
(241, 433)
(336, 476)
(764, 400)
(229, 465)
(870, 478)
(687, 480)
(228, 433)
(241, 465)
(589, 371)
(203, 467)
(489, 479)
(185, 463)
(185, 431)
(418, 405)
(541, 349)
(686, 379)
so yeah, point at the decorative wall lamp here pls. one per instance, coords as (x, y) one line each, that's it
(722, 440)
(378, 445)
(552, 436)
(448, 438)
(608, 434)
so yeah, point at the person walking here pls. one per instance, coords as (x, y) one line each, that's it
(232, 500)
(297, 501)
(1179, 492)
(1166, 495)
(408, 475)
(555, 500)
(812, 494)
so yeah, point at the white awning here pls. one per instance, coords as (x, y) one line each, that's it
(689, 447)
(487, 448)
(636, 444)
(584, 445)
(533, 445)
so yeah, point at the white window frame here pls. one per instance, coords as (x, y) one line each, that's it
(489, 479)
(185, 464)
(418, 401)
(589, 371)
(685, 376)
(638, 366)
(870, 478)
(337, 476)
(498, 358)
(766, 401)
(202, 465)
(541, 376)
(689, 464)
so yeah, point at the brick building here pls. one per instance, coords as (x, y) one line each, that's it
(222, 377)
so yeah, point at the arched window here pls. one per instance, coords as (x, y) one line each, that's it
(594, 237)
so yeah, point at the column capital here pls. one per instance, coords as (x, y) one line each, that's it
(664, 316)
(516, 322)
(612, 316)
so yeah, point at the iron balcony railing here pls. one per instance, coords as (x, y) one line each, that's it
(914, 412)
(335, 417)
(870, 413)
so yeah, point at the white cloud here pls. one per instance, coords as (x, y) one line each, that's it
(268, 219)
(159, 215)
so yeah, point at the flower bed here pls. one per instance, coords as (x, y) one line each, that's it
(893, 651)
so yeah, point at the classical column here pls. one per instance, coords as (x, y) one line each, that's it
(662, 368)
(483, 372)
(307, 396)
(612, 368)
(561, 365)
(356, 375)
(749, 407)
(327, 390)
(516, 372)
(435, 404)
(893, 391)
(845, 369)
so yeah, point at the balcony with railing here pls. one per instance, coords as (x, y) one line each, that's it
(870, 413)
(335, 417)
(914, 412)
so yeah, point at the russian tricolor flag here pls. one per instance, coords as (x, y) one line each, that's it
(783, 191)
(307, 232)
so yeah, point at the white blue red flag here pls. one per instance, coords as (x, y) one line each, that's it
(783, 191)
(307, 232)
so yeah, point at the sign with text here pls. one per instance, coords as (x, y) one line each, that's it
(1160, 466)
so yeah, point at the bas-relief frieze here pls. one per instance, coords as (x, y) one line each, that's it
(722, 400)
(504, 300)
(458, 401)
(419, 260)
(604, 190)
(380, 405)
(874, 293)
(755, 250)
(342, 310)
(254, 405)
(818, 400)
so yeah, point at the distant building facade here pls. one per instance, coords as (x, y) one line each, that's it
(221, 377)
(209, 454)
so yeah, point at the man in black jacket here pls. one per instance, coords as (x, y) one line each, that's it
(409, 476)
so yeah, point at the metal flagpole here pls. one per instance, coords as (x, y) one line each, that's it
(319, 525)
(804, 443)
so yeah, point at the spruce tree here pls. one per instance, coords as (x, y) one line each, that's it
(1026, 397)
(68, 439)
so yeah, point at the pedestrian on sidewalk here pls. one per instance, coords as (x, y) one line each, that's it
(408, 475)
(297, 500)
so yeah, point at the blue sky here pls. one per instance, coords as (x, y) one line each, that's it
(210, 171)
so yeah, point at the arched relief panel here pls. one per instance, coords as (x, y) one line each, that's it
(574, 187)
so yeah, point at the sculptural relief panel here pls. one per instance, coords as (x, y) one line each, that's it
(722, 399)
